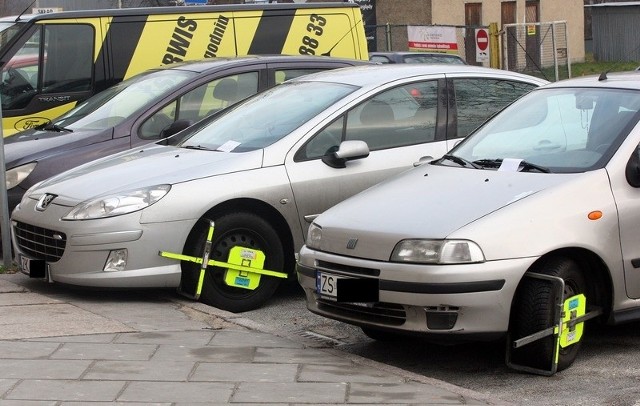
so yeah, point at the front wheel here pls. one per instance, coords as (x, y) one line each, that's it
(245, 230)
(535, 308)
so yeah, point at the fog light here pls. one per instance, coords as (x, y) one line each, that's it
(116, 261)
(441, 317)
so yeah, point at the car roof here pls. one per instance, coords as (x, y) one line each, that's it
(620, 80)
(375, 74)
(203, 65)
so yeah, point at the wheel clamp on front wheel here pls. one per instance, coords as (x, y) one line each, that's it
(244, 267)
(567, 327)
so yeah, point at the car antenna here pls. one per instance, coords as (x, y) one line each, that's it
(328, 53)
(603, 76)
(25, 10)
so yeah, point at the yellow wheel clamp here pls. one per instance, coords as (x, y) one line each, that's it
(567, 327)
(244, 266)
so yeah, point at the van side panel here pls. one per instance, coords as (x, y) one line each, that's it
(271, 34)
(123, 41)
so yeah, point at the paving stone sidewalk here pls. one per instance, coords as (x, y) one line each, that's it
(61, 351)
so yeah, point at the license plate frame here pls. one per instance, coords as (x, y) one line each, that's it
(34, 268)
(347, 289)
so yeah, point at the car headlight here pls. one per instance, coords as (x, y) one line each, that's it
(118, 204)
(15, 176)
(314, 236)
(437, 252)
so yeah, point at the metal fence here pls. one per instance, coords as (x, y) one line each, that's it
(394, 37)
(539, 49)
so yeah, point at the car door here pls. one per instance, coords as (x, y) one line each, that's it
(400, 125)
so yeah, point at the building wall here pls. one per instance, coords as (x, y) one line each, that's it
(410, 12)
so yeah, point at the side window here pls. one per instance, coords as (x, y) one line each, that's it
(380, 59)
(68, 58)
(478, 99)
(201, 102)
(154, 125)
(20, 75)
(398, 117)
(324, 142)
(286, 74)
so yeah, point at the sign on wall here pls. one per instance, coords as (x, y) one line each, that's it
(432, 38)
(44, 10)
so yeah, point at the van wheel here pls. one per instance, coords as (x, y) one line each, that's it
(534, 311)
(245, 230)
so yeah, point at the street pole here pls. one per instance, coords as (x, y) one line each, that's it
(4, 203)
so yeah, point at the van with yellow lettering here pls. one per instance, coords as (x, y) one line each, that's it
(52, 61)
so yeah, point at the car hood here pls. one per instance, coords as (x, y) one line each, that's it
(32, 145)
(153, 165)
(430, 201)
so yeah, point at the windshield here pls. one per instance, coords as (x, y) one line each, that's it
(115, 104)
(565, 130)
(267, 117)
(7, 32)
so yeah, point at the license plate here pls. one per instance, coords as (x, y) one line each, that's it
(327, 284)
(35, 268)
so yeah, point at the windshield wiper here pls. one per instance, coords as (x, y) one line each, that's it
(524, 165)
(198, 147)
(53, 127)
(460, 161)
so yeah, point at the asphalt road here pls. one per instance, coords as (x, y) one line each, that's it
(607, 371)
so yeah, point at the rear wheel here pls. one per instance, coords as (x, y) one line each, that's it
(534, 311)
(245, 230)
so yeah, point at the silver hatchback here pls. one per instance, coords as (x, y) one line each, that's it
(529, 227)
(261, 171)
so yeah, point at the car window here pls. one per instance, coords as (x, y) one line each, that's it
(404, 115)
(20, 75)
(566, 130)
(286, 74)
(477, 99)
(380, 59)
(200, 102)
(255, 125)
(69, 62)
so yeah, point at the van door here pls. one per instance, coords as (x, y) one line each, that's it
(48, 75)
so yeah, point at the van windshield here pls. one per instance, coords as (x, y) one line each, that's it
(567, 130)
(266, 117)
(115, 104)
(8, 30)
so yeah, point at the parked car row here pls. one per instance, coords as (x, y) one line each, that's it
(262, 169)
(402, 224)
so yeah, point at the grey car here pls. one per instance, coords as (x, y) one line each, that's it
(528, 224)
(261, 170)
(145, 108)
(415, 57)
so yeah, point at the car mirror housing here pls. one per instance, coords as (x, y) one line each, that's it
(175, 128)
(632, 171)
(347, 151)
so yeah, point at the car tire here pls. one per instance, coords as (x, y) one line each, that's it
(534, 311)
(246, 230)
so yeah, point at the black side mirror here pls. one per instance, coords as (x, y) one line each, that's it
(175, 128)
(632, 172)
(347, 151)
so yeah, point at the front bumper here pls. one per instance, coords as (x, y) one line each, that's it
(465, 300)
(88, 244)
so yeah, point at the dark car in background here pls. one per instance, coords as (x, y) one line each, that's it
(145, 108)
(415, 57)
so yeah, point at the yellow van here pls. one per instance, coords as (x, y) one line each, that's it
(51, 61)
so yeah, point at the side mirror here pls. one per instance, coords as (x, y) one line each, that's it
(347, 151)
(632, 171)
(175, 128)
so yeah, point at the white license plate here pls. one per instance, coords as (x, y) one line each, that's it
(24, 264)
(327, 284)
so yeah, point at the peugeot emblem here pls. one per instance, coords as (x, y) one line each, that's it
(45, 201)
(351, 244)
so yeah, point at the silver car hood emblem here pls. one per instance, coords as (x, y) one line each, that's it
(351, 244)
(45, 201)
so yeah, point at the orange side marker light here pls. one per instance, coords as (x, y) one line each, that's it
(595, 215)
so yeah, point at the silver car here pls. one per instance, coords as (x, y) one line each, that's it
(261, 171)
(529, 225)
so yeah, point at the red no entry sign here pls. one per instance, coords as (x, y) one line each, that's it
(482, 39)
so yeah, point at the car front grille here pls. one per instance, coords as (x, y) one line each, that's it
(40, 243)
(380, 313)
